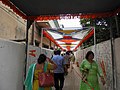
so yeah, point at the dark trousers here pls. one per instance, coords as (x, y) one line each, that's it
(59, 80)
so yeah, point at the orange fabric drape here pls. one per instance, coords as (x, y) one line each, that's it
(68, 48)
(67, 40)
(88, 36)
(49, 37)
(61, 16)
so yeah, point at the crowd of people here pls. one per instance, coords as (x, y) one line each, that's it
(59, 65)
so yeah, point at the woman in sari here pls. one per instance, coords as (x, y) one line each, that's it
(32, 82)
(90, 72)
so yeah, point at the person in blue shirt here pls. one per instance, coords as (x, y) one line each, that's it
(59, 71)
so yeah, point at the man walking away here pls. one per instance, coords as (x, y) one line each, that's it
(59, 71)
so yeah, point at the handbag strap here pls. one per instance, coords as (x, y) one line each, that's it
(45, 67)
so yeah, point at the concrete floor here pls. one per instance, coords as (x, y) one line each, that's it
(72, 80)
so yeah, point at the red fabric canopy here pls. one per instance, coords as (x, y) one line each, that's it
(70, 41)
(88, 36)
(67, 37)
(49, 37)
(59, 16)
(52, 10)
(67, 40)
(68, 48)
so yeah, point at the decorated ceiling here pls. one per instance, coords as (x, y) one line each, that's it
(68, 39)
(55, 9)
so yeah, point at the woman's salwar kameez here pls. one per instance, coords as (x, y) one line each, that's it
(92, 76)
